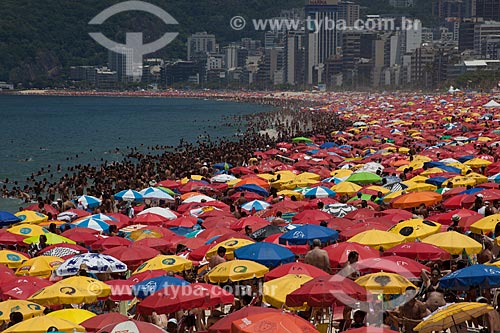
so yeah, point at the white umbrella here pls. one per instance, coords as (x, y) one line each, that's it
(155, 193)
(165, 212)
(92, 263)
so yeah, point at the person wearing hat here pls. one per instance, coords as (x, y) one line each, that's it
(455, 219)
(478, 202)
(172, 325)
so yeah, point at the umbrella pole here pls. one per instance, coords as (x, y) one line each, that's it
(330, 322)
(454, 324)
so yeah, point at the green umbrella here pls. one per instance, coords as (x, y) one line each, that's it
(51, 239)
(165, 189)
(301, 139)
(366, 197)
(364, 178)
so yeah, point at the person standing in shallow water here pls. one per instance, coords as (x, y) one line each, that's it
(318, 257)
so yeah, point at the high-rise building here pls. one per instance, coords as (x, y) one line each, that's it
(201, 42)
(448, 8)
(401, 3)
(120, 60)
(482, 33)
(294, 58)
(488, 9)
(321, 39)
(348, 12)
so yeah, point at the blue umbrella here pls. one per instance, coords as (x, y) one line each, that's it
(150, 286)
(181, 231)
(476, 275)
(253, 188)
(255, 205)
(91, 223)
(7, 218)
(128, 195)
(448, 168)
(267, 254)
(155, 193)
(327, 145)
(473, 190)
(89, 201)
(319, 192)
(436, 181)
(307, 233)
(465, 158)
(223, 166)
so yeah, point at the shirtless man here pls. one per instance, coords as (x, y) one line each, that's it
(318, 257)
(492, 318)
(218, 258)
(412, 311)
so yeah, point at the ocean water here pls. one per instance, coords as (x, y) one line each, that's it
(38, 131)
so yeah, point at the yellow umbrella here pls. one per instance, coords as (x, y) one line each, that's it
(476, 163)
(230, 245)
(42, 266)
(419, 187)
(415, 228)
(385, 283)
(42, 324)
(290, 193)
(378, 189)
(346, 188)
(236, 270)
(233, 182)
(192, 177)
(70, 292)
(485, 225)
(454, 242)
(12, 259)
(144, 233)
(275, 291)
(28, 309)
(29, 216)
(377, 239)
(77, 316)
(463, 168)
(341, 173)
(417, 179)
(393, 195)
(97, 287)
(451, 315)
(167, 263)
(478, 177)
(27, 230)
(431, 171)
(460, 181)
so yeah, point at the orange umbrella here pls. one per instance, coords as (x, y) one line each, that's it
(415, 199)
(253, 180)
(273, 322)
(189, 195)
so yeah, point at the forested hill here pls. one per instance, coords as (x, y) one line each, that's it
(38, 39)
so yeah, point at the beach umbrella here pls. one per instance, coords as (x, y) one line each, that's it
(346, 188)
(267, 254)
(91, 223)
(73, 290)
(338, 209)
(283, 322)
(254, 189)
(396, 187)
(167, 263)
(131, 326)
(148, 287)
(155, 193)
(301, 139)
(418, 251)
(222, 178)
(311, 214)
(236, 270)
(454, 242)
(276, 290)
(224, 324)
(253, 221)
(415, 228)
(7, 219)
(95, 323)
(159, 244)
(51, 239)
(295, 268)
(92, 263)
(42, 324)
(7, 238)
(327, 291)
(255, 205)
(268, 230)
(88, 201)
(76, 316)
(415, 199)
(230, 245)
(12, 259)
(27, 309)
(29, 216)
(385, 283)
(22, 287)
(451, 315)
(485, 225)
(72, 214)
(132, 256)
(198, 199)
(109, 243)
(128, 195)
(406, 267)
(495, 179)
(364, 178)
(42, 266)
(339, 252)
(377, 239)
(307, 233)
(319, 192)
(476, 275)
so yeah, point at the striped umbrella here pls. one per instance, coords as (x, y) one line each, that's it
(395, 187)
(93, 262)
(89, 201)
(319, 192)
(338, 209)
(92, 223)
(495, 178)
(155, 193)
(255, 205)
(128, 195)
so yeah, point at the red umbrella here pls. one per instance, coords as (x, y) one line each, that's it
(219, 222)
(171, 184)
(466, 222)
(22, 287)
(159, 244)
(7, 238)
(95, 323)
(488, 195)
(247, 195)
(312, 214)
(172, 299)
(110, 242)
(121, 290)
(454, 191)
(183, 221)
(361, 214)
(455, 202)
(281, 322)
(338, 253)
(212, 232)
(78, 231)
(120, 217)
(418, 251)
(295, 268)
(363, 226)
(47, 208)
(445, 218)
(400, 212)
(83, 237)
(253, 221)
(406, 267)
(493, 186)
(193, 243)
(131, 326)
(133, 256)
(216, 294)
(149, 219)
(146, 275)
(224, 324)
(326, 291)
(6, 273)
(199, 253)
(371, 329)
